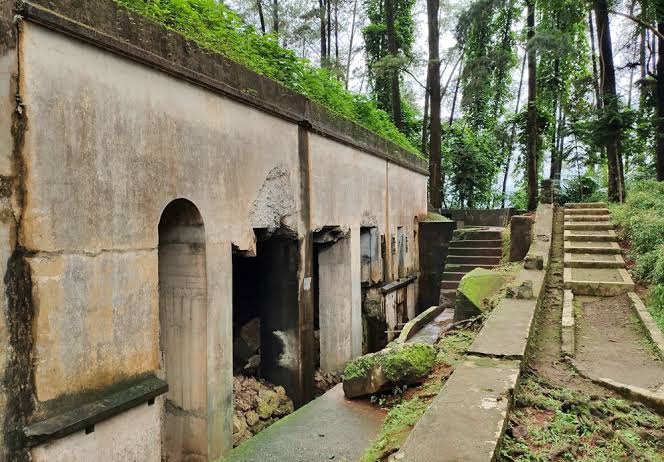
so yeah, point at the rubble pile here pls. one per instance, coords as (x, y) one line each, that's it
(323, 381)
(256, 405)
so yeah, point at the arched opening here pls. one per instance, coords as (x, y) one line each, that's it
(183, 328)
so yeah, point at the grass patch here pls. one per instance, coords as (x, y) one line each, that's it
(556, 423)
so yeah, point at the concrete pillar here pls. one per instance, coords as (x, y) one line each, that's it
(339, 299)
(521, 235)
(434, 238)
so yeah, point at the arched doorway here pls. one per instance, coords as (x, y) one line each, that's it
(183, 327)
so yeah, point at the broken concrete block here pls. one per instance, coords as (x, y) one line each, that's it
(521, 236)
(475, 288)
(524, 291)
(399, 365)
(534, 262)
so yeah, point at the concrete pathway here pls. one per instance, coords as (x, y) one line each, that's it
(610, 341)
(328, 428)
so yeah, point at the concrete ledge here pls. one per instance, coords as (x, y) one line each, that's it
(579, 260)
(541, 245)
(631, 392)
(599, 218)
(588, 225)
(592, 247)
(413, 326)
(467, 419)
(585, 205)
(596, 286)
(568, 333)
(87, 415)
(652, 329)
(587, 211)
(506, 332)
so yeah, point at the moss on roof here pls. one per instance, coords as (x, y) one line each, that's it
(215, 27)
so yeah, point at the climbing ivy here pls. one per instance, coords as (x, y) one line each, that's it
(214, 26)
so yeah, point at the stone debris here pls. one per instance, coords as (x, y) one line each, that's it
(323, 381)
(256, 405)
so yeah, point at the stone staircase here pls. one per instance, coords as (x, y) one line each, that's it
(593, 260)
(481, 248)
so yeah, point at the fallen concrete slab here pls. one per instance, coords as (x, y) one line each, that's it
(328, 428)
(467, 419)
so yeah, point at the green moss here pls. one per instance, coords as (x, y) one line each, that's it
(435, 218)
(479, 285)
(578, 426)
(415, 360)
(215, 27)
(411, 359)
(394, 430)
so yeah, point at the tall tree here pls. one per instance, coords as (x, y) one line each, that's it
(531, 124)
(611, 114)
(510, 146)
(259, 6)
(393, 50)
(350, 43)
(275, 17)
(433, 79)
(323, 34)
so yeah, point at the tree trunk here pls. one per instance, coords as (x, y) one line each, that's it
(323, 34)
(425, 117)
(531, 125)
(598, 97)
(329, 32)
(610, 102)
(513, 133)
(336, 32)
(350, 44)
(275, 17)
(659, 161)
(393, 50)
(259, 5)
(433, 77)
(456, 94)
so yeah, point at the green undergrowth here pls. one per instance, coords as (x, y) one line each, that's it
(406, 406)
(555, 423)
(641, 222)
(215, 27)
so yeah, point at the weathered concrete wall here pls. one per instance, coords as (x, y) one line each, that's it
(480, 217)
(130, 436)
(115, 142)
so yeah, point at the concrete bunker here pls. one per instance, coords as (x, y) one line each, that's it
(183, 329)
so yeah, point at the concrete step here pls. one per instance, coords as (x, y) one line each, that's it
(478, 243)
(449, 285)
(591, 236)
(601, 211)
(585, 205)
(588, 225)
(477, 251)
(452, 276)
(594, 260)
(471, 259)
(600, 218)
(466, 268)
(482, 235)
(592, 247)
(602, 282)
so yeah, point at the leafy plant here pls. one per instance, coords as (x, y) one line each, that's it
(215, 27)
